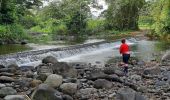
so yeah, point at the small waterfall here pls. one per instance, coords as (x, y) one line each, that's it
(30, 57)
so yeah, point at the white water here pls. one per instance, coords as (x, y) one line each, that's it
(92, 54)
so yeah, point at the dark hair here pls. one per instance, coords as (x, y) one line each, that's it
(123, 40)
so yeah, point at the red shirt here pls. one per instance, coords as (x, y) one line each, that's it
(124, 49)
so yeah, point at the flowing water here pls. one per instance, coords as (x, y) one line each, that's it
(94, 53)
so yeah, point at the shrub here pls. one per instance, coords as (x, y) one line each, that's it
(12, 32)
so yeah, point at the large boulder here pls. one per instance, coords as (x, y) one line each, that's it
(166, 56)
(49, 59)
(62, 68)
(69, 88)
(45, 92)
(152, 71)
(102, 83)
(54, 80)
(128, 94)
(7, 91)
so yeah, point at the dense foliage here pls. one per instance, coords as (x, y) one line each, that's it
(74, 18)
(161, 16)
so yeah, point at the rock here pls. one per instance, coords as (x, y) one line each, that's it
(7, 91)
(49, 59)
(9, 70)
(86, 93)
(69, 88)
(14, 66)
(6, 74)
(102, 83)
(26, 68)
(44, 70)
(24, 42)
(24, 82)
(135, 77)
(45, 92)
(119, 73)
(111, 96)
(129, 94)
(64, 69)
(2, 85)
(166, 56)
(109, 70)
(126, 94)
(42, 77)
(15, 97)
(54, 80)
(139, 97)
(67, 97)
(2, 66)
(152, 71)
(6, 79)
(97, 75)
(35, 83)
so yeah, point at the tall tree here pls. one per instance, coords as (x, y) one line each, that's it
(123, 14)
(161, 15)
(7, 12)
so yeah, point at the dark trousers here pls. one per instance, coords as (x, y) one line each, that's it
(125, 60)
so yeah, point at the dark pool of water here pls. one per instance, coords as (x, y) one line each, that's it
(13, 48)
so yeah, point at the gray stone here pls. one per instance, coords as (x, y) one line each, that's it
(44, 70)
(126, 94)
(69, 88)
(119, 73)
(62, 68)
(7, 91)
(139, 97)
(109, 70)
(15, 97)
(45, 92)
(129, 94)
(27, 68)
(102, 83)
(67, 97)
(49, 59)
(54, 80)
(166, 56)
(152, 71)
(97, 75)
(14, 66)
(2, 85)
(6, 79)
(135, 77)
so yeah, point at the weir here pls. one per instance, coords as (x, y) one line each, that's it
(62, 53)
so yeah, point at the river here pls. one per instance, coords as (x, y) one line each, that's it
(96, 54)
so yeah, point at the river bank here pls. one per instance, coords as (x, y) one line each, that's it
(53, 80)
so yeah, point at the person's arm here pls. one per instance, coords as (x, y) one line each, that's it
(120, 49)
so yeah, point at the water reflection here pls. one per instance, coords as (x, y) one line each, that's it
(149, 50)
(11, 48)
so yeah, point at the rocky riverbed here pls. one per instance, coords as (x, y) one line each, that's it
(53, 80)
